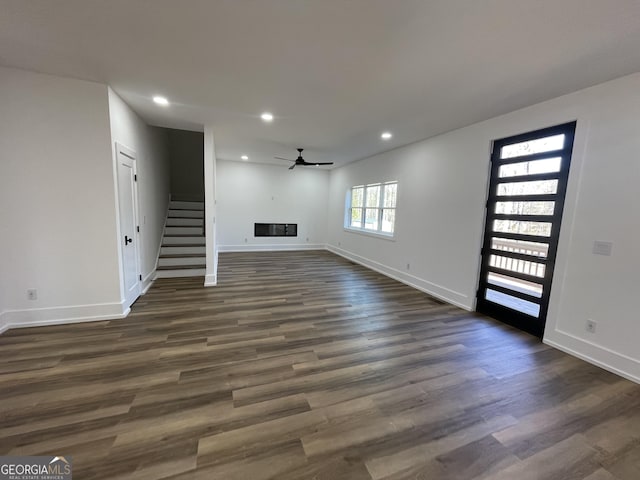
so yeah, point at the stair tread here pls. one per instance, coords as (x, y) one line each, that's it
(174, 238)
(180, 267)
(183, 245)
(182, 255)
(183, 235)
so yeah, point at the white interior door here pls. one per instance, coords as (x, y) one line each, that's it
(128, 223)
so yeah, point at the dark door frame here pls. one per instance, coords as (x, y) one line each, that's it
(505, 314)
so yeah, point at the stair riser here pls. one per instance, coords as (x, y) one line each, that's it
(187, 272)
(181, 261)
(186, 205)
(184, 222)
(186, 213)
(171, 241)
(183, 231)
(182, 250)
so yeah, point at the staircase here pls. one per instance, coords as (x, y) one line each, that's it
(183, 245)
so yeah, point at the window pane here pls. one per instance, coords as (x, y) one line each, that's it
(522, 286)
(371, 219)
(525, 208)
(356, 217)
(525, 228)
(388, 220)
(515, 303)
(390, 191)
(520, 246)
(539, 187)
(373, 195)
(548, 165)
(517, 265)
(356, 196)
(539, 145)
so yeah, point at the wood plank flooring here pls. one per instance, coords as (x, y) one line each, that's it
(302, 365)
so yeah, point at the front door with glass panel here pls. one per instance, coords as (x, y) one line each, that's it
(524, 210)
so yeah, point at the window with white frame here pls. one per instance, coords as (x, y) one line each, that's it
(372, 208)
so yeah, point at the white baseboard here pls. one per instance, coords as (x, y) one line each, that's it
(210, 280)
(270, 248)
(38, 317)
(603, 357)
(147, 281)
(438, 291)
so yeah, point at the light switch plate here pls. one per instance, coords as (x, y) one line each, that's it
(602, 248)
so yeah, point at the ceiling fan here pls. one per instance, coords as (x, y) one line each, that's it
(301, 161)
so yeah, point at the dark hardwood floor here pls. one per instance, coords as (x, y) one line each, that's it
(301, 365)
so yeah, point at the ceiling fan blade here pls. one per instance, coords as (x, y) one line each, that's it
(301, 161)
(313, 164)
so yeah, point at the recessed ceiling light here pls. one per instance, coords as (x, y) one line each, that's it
(266, 116)
(386, 135)
(244, 157)
(161, 101)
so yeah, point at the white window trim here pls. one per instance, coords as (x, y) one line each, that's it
(367, 231)
(371, 233)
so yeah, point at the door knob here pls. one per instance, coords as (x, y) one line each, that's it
(127, 240)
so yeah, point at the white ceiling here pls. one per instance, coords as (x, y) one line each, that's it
(335, 73)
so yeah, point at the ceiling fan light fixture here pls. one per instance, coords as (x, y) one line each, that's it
(267, 117)
(244, 157)
(386, 135)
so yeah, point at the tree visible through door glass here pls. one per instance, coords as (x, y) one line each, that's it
(538, 187)
(548, 165)
(531, 147)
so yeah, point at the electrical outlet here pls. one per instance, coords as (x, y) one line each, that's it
(408, 266)
(307, 239)
(590, 326)
(245, 240)
(32, 294)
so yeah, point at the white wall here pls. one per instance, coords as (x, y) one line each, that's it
(438, 215)
(152, 162)
(186, 153)
(57, 200)
(441, 195)
(249, 192)
(210, 207)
